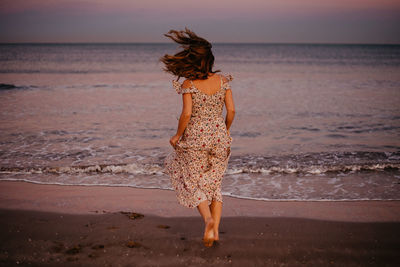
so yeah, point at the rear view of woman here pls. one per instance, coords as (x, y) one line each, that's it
(202, 141)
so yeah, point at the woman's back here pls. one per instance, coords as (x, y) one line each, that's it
(208, 96)
(209, 86)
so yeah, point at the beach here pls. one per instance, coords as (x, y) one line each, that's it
(48, 225)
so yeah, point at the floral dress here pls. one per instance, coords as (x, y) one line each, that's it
(201, 156)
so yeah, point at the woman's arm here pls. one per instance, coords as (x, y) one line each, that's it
(230, 108)
(185, 115)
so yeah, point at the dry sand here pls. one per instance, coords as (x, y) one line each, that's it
(49, 225)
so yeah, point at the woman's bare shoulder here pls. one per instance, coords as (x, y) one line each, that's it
(186, 83)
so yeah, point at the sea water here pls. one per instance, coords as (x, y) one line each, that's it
(313, 121)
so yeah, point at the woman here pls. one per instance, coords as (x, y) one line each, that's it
(202, 141)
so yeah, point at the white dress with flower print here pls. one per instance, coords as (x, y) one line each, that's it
(201, 156)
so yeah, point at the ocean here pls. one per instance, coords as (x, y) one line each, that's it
(314, 122)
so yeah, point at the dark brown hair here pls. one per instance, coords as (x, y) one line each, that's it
(195, 61)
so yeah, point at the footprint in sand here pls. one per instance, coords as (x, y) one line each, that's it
(132, 215)
(74, 250)
(133, 244)
(98, 247)
(163, 226)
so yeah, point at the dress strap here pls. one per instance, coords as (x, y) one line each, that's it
(193, 87)
(220, 76)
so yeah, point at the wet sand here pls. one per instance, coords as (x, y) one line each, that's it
(49, 225)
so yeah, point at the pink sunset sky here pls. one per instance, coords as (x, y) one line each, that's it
(270, 21)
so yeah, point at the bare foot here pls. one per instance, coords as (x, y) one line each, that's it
(216, 236)
(208, 238)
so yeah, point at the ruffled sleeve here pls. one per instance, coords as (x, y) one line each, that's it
(226, 85)
(178, 88)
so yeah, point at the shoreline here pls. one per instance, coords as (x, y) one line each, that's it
(75, 199)
(166, 189)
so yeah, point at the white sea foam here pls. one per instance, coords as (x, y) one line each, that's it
(157, 169)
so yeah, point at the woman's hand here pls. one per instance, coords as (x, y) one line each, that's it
(174, 139)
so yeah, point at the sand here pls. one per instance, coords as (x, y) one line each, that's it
(49, 225)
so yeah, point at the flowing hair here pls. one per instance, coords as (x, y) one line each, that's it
(195, 61)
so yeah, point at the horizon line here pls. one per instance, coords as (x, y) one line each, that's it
(164, 43)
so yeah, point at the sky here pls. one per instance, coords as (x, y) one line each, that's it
(234, 21)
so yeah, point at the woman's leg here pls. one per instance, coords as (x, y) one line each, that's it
(216, 210)
(205, 212)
